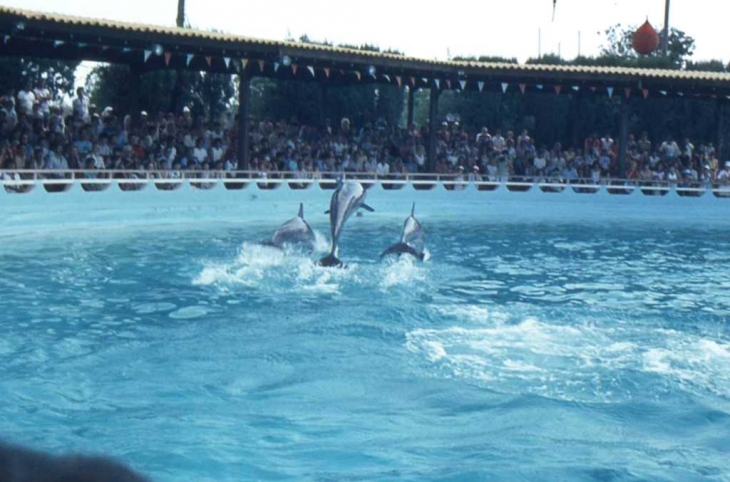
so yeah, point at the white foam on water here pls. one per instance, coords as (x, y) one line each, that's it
(321, 243)
(248, 269)
(189, 312)
(582, 362)
(401, 270)
(472, 313)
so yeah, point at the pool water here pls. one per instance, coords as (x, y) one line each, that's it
(516, 352)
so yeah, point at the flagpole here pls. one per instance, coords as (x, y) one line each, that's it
(665, 40)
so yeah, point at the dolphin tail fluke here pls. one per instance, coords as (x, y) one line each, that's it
(330, 261)
(403, 248)
(301, 210)
(413, 209)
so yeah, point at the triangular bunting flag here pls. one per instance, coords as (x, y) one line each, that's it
(505, 85)
(147, 54)
(83, 45)
(437, 82)
(399, 80)
(480, 84)
(663, 92)
(209, 60)
(7, 38)
(462, 83)
(168, 57)
(645, 92)
(593, 88)
(413, 81)
(126, 50)
(262, 64)
(227, 60)
(359, 75)
(575, 88)
(294, 68)
(627, 91)
(448, 83)
(539, 86)
(311, 70)
(244, 63)
(189, 59)
(104, 48)
(425, 80)
(522, 88)
(58, 43)
(276, 66)
(681, 94)
(610, 91)
(558, 88)
(327, 72)
(387, 77)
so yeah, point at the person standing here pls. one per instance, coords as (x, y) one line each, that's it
(81, 106)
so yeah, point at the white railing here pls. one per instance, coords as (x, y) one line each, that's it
(20, 181)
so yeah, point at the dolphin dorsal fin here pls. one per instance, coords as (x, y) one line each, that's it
(413, 209)
(301, 210)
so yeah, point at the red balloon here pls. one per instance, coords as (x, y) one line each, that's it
(646, 39)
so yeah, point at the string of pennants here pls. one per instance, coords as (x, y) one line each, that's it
(239, 64)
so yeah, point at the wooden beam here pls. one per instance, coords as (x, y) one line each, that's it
(432, 128)
(411, 103)
(623, 145)
(720, 121)
(244, 95)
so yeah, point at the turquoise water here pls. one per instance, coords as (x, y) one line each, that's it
(516, 352)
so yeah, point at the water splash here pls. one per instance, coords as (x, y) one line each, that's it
(580, 362)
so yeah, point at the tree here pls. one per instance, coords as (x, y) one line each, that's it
(59, 75)
(619, 44)
(208, 95)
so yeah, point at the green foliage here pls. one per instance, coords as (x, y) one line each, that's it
(312, 103)
(707, 66)
(486, 58)
(14, 71)
(207, 95)
(619, 44)
(547, 59)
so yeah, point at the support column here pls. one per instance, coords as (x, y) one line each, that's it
(411, 102)
(134, 88)
(623, 145)
(322, 104)
(720, 121)
(433, 109)
(244, 94)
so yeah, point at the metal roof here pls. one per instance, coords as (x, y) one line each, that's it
(54, 26)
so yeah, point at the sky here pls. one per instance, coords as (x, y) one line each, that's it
(433, 30)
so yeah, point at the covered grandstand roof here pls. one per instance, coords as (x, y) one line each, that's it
(40, 34)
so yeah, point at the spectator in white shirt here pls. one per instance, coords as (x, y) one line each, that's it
(26, 99)
(43, 97)
(81, 105)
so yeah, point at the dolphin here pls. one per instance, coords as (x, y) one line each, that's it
(295, 232)
(411, 240)
(347, 198)
(18, 464)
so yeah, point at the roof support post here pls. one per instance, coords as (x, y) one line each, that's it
(411, 101)
(720, 121)
(135, 86)
(623, 144)
(244, 95)
(433, 109)
(323, 104)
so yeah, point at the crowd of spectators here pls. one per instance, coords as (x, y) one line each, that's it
(36, 134)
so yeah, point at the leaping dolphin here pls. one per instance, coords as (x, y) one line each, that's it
(295, 232)
(347, 198)
(411, 240)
